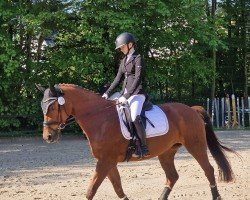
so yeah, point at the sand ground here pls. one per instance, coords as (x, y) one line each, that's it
(31, 169)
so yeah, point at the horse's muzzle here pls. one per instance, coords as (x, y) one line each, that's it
(51, 136)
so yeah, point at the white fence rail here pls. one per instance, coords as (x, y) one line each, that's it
(229, 112)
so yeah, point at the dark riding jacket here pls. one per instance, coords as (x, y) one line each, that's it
(132, 71)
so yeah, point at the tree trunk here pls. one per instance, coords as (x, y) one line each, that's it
(214, 2)
(244, 48)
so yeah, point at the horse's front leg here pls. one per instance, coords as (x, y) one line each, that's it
(115, 179)
(102, 170)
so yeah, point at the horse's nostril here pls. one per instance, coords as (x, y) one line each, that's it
(49, 137)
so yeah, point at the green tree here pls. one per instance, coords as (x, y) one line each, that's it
(176, 39)
(232, 63)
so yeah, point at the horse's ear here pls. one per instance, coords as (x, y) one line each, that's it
(52, 90)
(40, 88)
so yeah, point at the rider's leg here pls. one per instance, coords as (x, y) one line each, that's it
(144, 152)
(136, 103)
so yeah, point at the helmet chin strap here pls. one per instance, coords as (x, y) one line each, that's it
(126, 55)
(129, 49)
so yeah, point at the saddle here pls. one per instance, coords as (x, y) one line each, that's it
(126, 117)
(154, 120)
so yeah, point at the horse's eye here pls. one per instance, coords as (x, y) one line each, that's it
(51, 108)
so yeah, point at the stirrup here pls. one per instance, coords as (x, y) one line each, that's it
(145, 151)
(141, 152)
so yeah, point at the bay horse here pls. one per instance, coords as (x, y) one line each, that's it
(97, 117)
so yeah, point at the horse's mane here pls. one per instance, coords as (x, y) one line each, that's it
(77, 87)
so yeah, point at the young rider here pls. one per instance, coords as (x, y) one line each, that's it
(131, 67)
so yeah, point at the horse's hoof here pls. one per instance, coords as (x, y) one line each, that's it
(218, 198)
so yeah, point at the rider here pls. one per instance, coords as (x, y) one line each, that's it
(132, 93)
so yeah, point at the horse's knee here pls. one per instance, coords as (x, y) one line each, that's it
(171, 180)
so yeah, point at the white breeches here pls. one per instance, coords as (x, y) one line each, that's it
(135, 103)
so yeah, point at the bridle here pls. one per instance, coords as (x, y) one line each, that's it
(61, 125)
(70, 119)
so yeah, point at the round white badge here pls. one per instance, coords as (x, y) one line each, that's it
(61, 101)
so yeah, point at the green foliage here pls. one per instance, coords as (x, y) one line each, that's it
(174, 37)
(232, 60)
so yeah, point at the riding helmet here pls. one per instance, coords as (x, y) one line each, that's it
(124, 38)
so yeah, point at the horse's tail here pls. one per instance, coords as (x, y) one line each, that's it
(216, 148)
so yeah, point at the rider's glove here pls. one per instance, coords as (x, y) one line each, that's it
(122, 100)
(105, 96)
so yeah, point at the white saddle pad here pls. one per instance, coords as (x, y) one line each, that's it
(156, 116)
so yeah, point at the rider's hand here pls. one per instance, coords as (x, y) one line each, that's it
(105, 96)
(122, 100)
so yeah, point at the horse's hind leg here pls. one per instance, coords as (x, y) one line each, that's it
(115, 179)
(199, 152)
(167, 162)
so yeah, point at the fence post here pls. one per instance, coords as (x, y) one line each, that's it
(248, 111)
(234, 121)
(216, 112)
(218, 103)
(228, 111)
(238, 110)
(222, 113)
(243, 111)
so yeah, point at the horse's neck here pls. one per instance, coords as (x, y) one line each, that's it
(86, 106)
(85, 101)
(95, 115)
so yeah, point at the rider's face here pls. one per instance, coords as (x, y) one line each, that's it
(125, 48)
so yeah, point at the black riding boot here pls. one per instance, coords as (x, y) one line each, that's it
(142, 149)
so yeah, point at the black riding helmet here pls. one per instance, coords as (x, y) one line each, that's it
(123, 39)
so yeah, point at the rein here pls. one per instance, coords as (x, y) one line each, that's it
(102, 109)
(69, 120)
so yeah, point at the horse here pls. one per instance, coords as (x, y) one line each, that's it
(97, 117)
